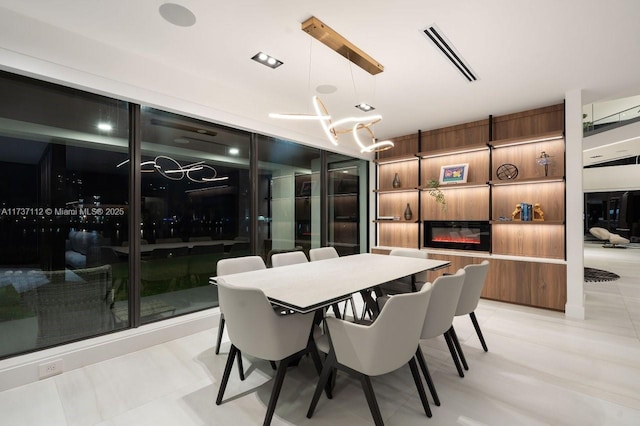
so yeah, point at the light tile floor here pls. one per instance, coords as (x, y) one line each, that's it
(541, 369)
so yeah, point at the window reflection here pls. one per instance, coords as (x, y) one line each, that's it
(288, 197)
(65, 212)
(62, 208)
(347, 204)
(194, 210)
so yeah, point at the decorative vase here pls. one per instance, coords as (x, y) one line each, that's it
(396, 181)
(408, 214)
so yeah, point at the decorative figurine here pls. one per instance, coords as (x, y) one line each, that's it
(538, 214)
(516, 215)
(544, 160)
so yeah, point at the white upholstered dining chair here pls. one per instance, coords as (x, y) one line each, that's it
(235, 265)
(445, 294)
(365, 351)
(322, 253)
(288, 258)
(263, 334)
(474, 280)
(406, 284)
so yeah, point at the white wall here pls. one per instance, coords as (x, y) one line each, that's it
(614, 178)
(574, 307)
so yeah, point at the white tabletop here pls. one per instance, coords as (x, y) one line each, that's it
(305, 287)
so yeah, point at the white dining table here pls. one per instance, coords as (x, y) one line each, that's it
(306, 287)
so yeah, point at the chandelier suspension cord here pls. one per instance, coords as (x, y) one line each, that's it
(310, 56)
(353, 81)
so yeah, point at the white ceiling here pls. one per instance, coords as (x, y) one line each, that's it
(526, 55)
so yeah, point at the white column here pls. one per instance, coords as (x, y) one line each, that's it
(575, 205)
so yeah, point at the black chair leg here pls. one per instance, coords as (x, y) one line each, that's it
(474, 320)
(456, 343)
(452, 350)
(277, 386)
(227, 372)
(427, 376)
(418, 381)
(240, 368)
(371, 399)
(220, 332)
(273, 365)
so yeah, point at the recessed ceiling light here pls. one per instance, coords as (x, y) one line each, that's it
(326, 89)
(177, 15)
(106, 127)
(365, 107)
(267, 60)
(234, 151)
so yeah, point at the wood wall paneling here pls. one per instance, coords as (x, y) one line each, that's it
(378, 250)
(457, 262)
(532, 240)
(531, 122)
(526, 283)
(458, 136)
(470, 203)
(548, 286)
(403, 145)
(398, 234)
(407, 172)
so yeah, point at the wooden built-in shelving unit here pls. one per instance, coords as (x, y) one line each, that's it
(527, 258)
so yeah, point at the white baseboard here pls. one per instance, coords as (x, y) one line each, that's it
(21, 370)
(574, 311)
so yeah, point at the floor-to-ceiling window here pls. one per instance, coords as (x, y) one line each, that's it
(288, 196)
(347, 204)
(92, 242)
(194, 210)
(63, 205)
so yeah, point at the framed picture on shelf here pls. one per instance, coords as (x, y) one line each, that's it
(455, 173)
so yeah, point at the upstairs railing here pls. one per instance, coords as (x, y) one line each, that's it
(620, 118)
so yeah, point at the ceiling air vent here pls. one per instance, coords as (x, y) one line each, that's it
(435, 35)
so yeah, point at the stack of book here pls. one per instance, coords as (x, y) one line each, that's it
(526, 212)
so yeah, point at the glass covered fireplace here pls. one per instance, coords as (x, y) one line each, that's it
(460, 235)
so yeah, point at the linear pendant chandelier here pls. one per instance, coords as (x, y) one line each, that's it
(325, 34)
(322, 32)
